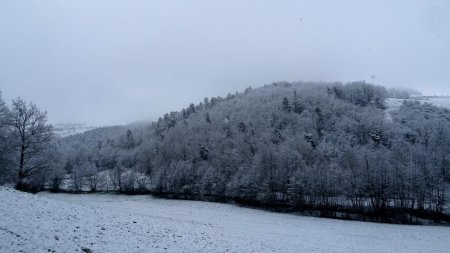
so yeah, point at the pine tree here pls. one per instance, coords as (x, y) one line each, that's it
(131, 142)
(286, 107)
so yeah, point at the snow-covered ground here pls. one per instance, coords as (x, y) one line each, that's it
(113, 223)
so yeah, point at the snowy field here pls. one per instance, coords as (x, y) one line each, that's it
(395, 103)
(113, 223)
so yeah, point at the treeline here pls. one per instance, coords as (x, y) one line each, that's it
(327, 147)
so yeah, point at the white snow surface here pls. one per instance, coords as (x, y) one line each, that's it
(115, 223)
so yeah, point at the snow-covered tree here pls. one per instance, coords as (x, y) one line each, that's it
(31, 137)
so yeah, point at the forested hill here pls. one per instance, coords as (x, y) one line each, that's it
(299, 146)
(268, 144)
(306, 145)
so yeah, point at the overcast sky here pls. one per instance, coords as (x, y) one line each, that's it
(105, 62)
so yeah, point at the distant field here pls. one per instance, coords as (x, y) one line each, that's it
(395, 103)
(438, 101)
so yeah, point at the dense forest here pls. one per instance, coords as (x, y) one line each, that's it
(325, 148)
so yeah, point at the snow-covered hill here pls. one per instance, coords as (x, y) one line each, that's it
(115, 223)
(67, 129)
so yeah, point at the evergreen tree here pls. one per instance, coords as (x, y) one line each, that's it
(286, 107)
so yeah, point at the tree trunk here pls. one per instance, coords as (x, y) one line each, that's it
(21, 175)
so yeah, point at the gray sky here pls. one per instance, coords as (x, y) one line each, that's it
(106, 62)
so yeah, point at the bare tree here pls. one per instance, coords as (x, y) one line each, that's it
(31, 136)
